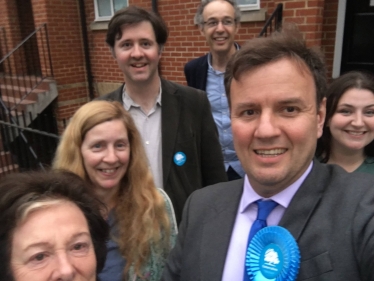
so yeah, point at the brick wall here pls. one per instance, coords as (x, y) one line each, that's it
(315, 18)
(185, 41)
(67, 53)
(9, 21)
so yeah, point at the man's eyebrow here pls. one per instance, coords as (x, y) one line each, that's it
(291, 101)
(245, 105)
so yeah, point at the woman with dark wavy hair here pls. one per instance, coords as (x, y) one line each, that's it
(348, 132)
(51, 228)
(102, 145)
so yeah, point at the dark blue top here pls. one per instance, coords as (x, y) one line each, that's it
(115, 263)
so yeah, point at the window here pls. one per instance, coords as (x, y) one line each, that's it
(247, 5)
(105, 9)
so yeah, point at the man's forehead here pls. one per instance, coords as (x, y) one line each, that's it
(285, 78)
(125, 27)
(297, 65)
(216, 6)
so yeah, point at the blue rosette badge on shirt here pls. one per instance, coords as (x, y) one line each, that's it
(273, 254)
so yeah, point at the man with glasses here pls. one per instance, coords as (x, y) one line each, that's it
(218, 21)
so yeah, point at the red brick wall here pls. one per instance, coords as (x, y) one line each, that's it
(9, 21)
(315, 18)
(185, 41)
(67, 53)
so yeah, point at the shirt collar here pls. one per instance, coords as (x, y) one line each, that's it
(283, 198)
(128, 101)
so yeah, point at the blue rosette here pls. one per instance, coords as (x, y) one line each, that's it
(273, 254)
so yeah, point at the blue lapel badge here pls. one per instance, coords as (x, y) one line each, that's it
(179, 158)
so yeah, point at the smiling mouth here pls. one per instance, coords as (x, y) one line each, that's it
(220, 39)
(270, 152)
(355, 133)
(108, 171)
(138, 65)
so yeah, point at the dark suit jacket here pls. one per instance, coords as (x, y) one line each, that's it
(187, 125)
(330, 216)
(196, 72)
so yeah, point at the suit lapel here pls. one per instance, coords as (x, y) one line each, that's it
(310, 193)
(117, 94)
(217, 233)
(170, 114)
(203, 73)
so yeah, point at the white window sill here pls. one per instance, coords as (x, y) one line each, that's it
(99, 25)
(252, 16)
(247, 16)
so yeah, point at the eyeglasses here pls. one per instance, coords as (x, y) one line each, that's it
(214, 23)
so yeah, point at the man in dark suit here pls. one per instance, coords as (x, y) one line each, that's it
(175, 121)
(218, 21)
(276, 87)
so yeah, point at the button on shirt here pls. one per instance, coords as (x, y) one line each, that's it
(247, 213)
(149, 127)
(220, 109)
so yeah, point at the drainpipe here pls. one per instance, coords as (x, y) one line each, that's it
(155, 9)
(154, 6)
(86, 49)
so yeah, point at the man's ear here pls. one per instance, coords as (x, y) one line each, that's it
(201, 29)
(160, 49)
(321, 115)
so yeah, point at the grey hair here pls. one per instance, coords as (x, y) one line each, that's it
(199, 20)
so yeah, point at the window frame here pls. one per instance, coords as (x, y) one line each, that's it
(106, 18)
(250, 7)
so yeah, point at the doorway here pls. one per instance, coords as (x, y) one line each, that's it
(358, 38)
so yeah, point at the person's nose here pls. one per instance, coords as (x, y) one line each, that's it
(267, 126)
(220, 27)
(110, 155)
(64, 270)
(136, 51)
(357, 120)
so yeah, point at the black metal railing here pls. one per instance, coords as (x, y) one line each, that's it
(3, 47)
(25, 67)
(27, 148)
(274, 22)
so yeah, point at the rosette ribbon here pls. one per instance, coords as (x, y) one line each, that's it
(273, 254)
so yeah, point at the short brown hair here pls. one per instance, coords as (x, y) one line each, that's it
(133, 15)
(288, 43)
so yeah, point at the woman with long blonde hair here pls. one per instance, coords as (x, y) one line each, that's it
(102, 145)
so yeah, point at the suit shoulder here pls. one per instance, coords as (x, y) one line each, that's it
(116, 95)
(194, 63)
(185, 90)
(218, 192)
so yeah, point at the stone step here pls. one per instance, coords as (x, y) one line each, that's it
(5, 158)
(22, 105)
(8, 170)
(19, 92)
(25, 81)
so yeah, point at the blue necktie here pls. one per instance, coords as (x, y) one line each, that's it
(264, 209)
